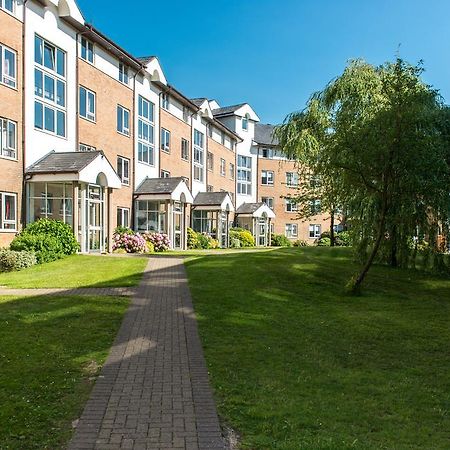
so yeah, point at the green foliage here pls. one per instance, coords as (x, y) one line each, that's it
(324, 242)
(197, 240)
(11, 260)
(235, 243)
(300, 243)
(245, 238)
(48, 239)
(343, 239)
(280, 240)
(124, 230)
(192, 239)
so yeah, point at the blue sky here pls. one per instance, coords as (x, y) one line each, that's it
(274, 54)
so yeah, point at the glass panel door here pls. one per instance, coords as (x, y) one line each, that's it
(262, 232)
(178, 225)
(95, 226)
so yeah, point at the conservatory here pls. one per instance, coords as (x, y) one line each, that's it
(256, 218)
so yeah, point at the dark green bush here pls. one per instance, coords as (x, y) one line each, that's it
(12, 260)
(324, 242)
(343, 239)
(280, 240)
(48, 239)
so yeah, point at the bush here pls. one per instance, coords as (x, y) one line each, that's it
(13, 260)
(192, 239)
(244, 236)
(196, 240)
(280, 240)
(123, 230)
(300, 243)
(160, 241)
(131, 243)
(48, 239)
(203, 241)
(235, 243)
(324, 242)
(343, 239)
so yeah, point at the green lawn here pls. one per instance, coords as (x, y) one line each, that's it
(297, 364)
(51, 348)
(79, 271)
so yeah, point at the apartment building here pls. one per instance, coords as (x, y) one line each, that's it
(97, 137)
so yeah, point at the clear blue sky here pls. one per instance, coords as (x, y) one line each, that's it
(274, 53)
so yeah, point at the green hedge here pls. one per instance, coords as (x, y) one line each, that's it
(12, 260)
(280, 240)
(244, 237)
(196, 240)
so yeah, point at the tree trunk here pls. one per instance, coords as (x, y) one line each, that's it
(332, 237)
(393, 258)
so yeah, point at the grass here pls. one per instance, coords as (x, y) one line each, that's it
(79, 271)
(297, 364)
(51, 348)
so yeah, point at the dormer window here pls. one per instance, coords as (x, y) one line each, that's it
(245, 122)
(165, 101)
(123, 73)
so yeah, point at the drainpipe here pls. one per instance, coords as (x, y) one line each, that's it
(23, 216)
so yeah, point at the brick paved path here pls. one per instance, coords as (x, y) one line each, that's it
(118, 291)
(153, 391)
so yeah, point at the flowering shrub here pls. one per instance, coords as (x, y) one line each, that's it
(196, 240)
(160, 241)
(131, 243)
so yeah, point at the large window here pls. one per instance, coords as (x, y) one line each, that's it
(204, 221)
(291, 230)
(8, 66)
(123, 120)
(123, 74)
(8, 5)
(199, 142)
(151, 216)
(50, 200)
(87, 50)
(291, 205)
(123, 217)
(185, 149)
(8, 211)
(146, 141)
(123, 170)
(292, 179)
(49, 88)
(87, 104)
(267, 177)
(165, 140)
(8, 138)
(244, 175)
(314, 230)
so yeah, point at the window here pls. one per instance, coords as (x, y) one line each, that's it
(267, 153)
(123, 73)
(222, 138)
(245, 122)
(123, 217)
(223, 167)
(314, 231)
(291, 205)
(87, 104)
(165, 101)
(186, 114)
(123, 170)
(49, 88)
(165, 140)
(210, 188)
(199, 139)
(244, 175)
(232, 171)
(267, 177)
(185, 149)
(146, 142)
(291, 178)
(123, 120)
(210, 161)
(204, 221)
(87, 50)
(165, 174)
(268, 201)
(8, 5)
(86, 148)
(8, 211)
(8, 138)
(7, 66)
(291, 230)
(315, 206)
(151, 216)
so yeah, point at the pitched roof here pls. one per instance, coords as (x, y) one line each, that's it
(210, 198)
(198, 101)
(227, 110)
(249, 208)
(158, 185)
(145, 59)
(67, 162)
(264, 134)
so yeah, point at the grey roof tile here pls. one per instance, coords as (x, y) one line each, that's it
(226, 110)
(145, 59)
(67, 162)
(158, 185)
(249, 208)
(209, 198)
(264, 134)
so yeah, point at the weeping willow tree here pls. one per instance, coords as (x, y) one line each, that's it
(381, 132)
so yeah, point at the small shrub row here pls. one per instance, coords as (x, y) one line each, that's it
(280, 240)
(341, 239)
(128, 241)
(11, 260)
(241, 238)
(196, 240)
(48, 239)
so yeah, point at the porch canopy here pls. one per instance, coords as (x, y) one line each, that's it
(256, 210)
(174, 189)
(213, 201)
(84, 167)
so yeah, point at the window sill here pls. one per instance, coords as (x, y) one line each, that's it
(8, 231)
(123, 134)
(146, 163)
(87, 119)
(9, 158)
(14, 88)
(51, 133)
(166, 150)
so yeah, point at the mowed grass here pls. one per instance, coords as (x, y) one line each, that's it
(297, 364)
(51, 349)
(79, 271)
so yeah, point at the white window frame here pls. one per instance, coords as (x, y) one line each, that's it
(123, 213)
(3, 220)
(210, 161)
(165, 140)
(8, 149)
(268, 201)
(124, 175)
(223, 167)
(232, 171)
(90, 100)
(164, 174)
(245, 122)
(291, 206)
(292, 179)
(315, 206)
(86, 148)
(87, 47)
(291, 230)
(4, 8)
(244, 175)
(199, 155)
(147, 122)
(165, 102)
(269, 153)
(267, 177)
(124, 77)
(123, 112)
(315, 230)
(6, 79)
(185, 150)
